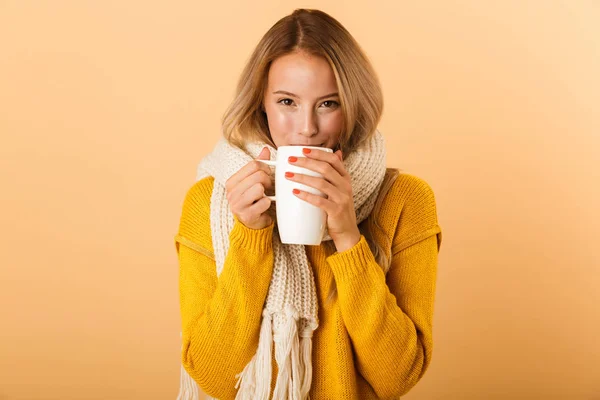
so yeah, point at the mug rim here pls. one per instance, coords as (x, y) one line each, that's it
(307, 147)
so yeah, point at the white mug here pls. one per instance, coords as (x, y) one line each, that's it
(298, 221)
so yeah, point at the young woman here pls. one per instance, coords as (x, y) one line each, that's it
(349, 319)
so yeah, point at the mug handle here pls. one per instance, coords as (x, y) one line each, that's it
(272, 164)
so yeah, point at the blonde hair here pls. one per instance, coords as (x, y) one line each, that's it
(361, 99)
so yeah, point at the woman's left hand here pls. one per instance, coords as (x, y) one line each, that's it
(339, 203)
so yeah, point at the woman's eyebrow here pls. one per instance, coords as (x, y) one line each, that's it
(293, 95)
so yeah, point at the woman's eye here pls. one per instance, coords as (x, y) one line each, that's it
(286, 102)
(330, 104)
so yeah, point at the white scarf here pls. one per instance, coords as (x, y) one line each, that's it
(289, 316)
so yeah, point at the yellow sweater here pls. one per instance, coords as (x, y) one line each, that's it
(374, 339)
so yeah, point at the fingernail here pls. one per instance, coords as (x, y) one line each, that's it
(289, 174)
(292, 159)
(296, 191)
(306, 151)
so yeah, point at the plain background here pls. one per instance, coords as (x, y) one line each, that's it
(107, 107)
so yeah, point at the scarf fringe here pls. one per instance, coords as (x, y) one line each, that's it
(306, 363)
(293, 358)
(286, 352)
(254, 382)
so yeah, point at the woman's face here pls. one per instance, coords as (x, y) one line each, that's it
(302, 102)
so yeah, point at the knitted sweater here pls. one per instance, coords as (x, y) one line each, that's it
(374, 339)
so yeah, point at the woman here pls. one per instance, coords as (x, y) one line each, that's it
(349, 319)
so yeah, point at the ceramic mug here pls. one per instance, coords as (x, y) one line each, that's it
(298, 221)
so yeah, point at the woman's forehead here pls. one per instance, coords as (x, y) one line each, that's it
(302, 74)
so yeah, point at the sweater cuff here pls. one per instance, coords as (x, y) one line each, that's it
(253, 239)
(352, 262)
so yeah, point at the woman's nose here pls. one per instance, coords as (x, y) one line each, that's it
(309, 126)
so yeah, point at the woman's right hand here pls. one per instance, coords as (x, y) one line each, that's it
(246, 193)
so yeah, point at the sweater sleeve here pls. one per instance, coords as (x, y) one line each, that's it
(389, 317)
(220, 316)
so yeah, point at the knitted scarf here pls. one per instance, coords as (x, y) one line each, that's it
(290, 313)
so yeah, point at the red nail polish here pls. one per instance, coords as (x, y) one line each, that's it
(296, 191)
(292, 159)
(306, 151)
(289, 174)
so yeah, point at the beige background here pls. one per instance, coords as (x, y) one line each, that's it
(106, 108)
